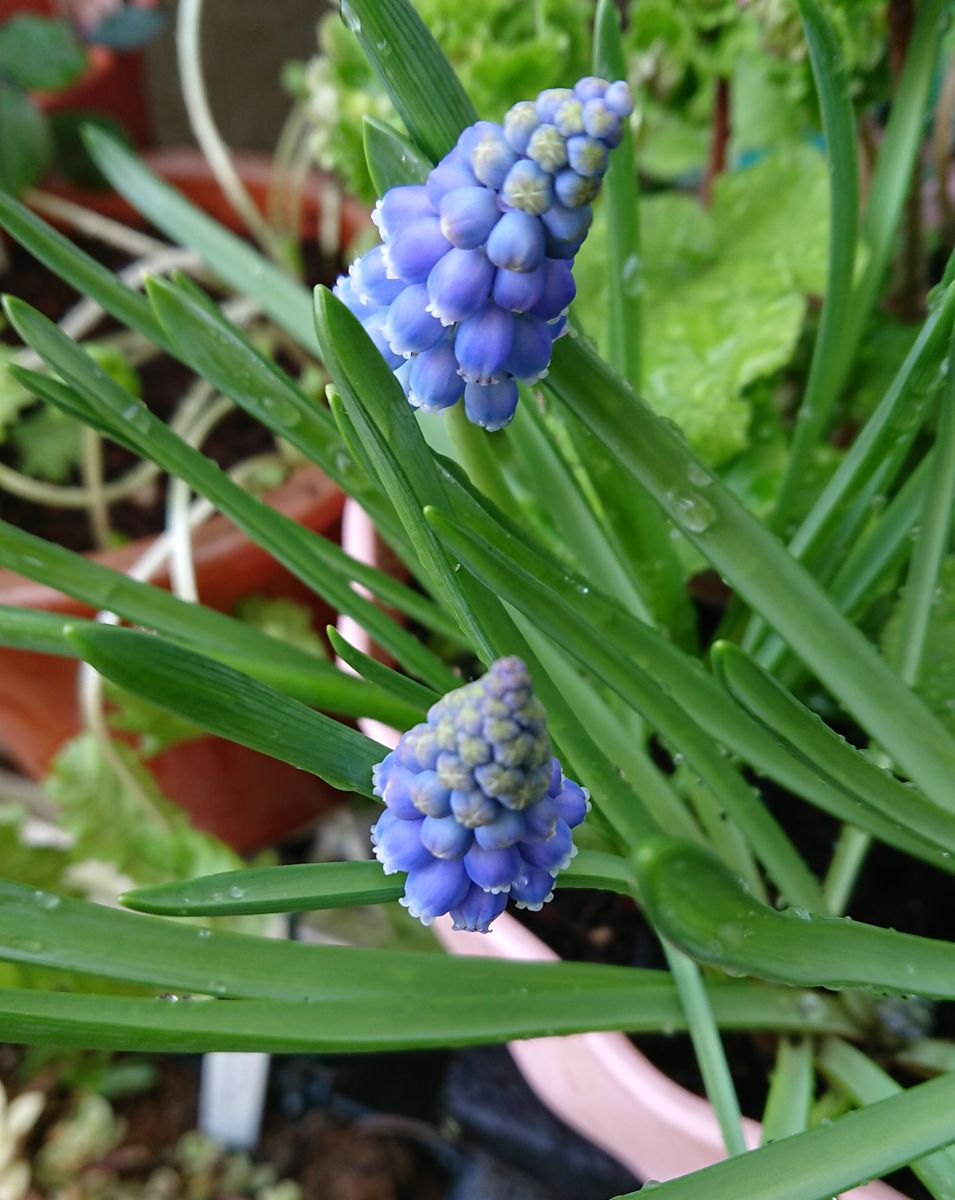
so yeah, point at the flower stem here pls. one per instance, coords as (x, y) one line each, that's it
(479, 458)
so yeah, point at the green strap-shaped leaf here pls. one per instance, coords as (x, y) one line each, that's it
(827, 369)
(695, 901)
(392, 160)
(389, 680)
(307, 886)
(228, 703)
(867, 1083)
(831, 1159)
(807, 735)
(232, 259)
(758, 567)
(426, 93)
(29, 629)
(40, 928)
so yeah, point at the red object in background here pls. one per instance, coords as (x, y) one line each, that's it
(114, 85)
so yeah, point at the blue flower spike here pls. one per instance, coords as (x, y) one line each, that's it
(476, 807)
(492, 233)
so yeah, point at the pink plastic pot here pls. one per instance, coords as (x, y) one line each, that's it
(597, 1083)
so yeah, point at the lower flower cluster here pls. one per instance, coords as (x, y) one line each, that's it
(476, 807)
(471, 285)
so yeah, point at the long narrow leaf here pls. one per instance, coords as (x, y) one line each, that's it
(695, 901)
(225, 702)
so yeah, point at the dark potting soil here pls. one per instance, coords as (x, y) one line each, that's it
(164, 382)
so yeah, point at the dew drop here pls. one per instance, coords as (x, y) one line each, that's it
(203, 933)
(350, 17)
(691, 511)
(46, 900)
(698, 475)
(236, 892)
(632, 276)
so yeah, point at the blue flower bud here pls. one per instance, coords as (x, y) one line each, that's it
(569, 118)
(518, 291)
(415, 249)
(446, 837)
(483, 343)
(468, 215)
(395, 790)
(587, 156)
(492, 405)
(459, 285)
(397, 844)
(492, 157)
(403, 375)
(573, 190)
(519, 124)
(432, 890)
(567, 224)
(508, 829)
(589, 88)
(540, 820)
(553, 854)
(600, 122)
(478, 909)
(448, 177)
(434, 380)
(483, 846)
(374, 327)
(531, 347)
(493, 870)
(573, 803)
(370, 280)
(473, 809)
(346, 293)
(517, 242)
(559, 290)
(618, 99)
(532, 887)
(528, 187)
(408, 326)
(550, 100)
(401, 206)
(430, 797)
(547, 147)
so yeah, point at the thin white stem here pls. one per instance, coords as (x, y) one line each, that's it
(92, 471)
(94, 225)
(210, 141)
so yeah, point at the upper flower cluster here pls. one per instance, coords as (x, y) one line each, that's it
(472, 281)
(476, 807)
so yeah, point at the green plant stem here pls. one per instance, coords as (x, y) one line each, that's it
(479, 458)
(851, 851)
(826, 371)
(624, 266)
(708, 1047)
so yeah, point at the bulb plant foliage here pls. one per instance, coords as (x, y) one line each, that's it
(557, 529)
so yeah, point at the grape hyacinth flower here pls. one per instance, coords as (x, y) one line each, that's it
(470, 287)
(476, 807)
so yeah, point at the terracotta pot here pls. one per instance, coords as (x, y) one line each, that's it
(597, 1083)
(186, 169)
(243, 797)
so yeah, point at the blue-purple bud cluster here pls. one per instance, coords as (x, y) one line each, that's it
(471, 284)
(476, 807)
